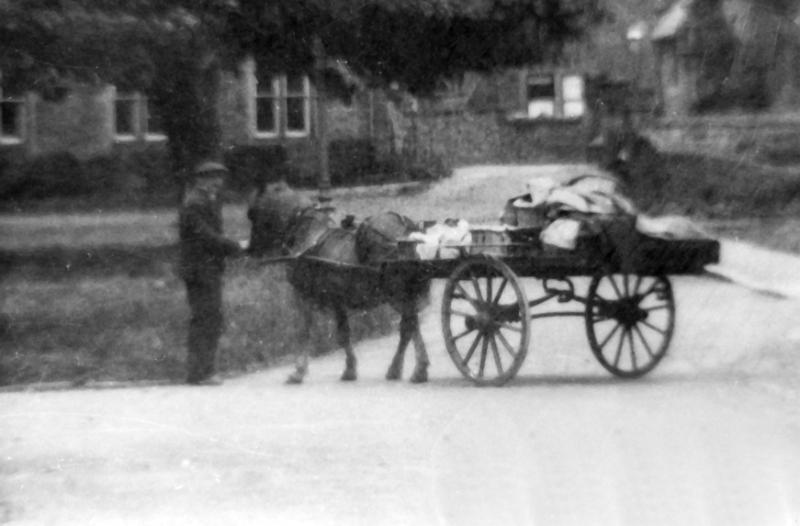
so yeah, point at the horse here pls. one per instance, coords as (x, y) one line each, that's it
(331, 268)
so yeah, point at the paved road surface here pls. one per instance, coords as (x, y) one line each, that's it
(712, 436)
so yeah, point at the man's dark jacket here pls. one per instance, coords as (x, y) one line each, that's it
(203, 247)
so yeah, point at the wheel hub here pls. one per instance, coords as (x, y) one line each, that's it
(483, 320)
(625, 310)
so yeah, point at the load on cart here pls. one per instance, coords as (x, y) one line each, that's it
(558, 232)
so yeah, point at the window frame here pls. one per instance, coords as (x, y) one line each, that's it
(22, 130)
(565, 100)
(140, 118)
(305, 96)
(281, 96)
(551, 80)
(145, 115)
(274, 94)
(559, 98)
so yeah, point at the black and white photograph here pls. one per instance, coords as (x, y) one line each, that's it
(400, 262)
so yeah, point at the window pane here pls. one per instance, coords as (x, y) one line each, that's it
(296, 114)
(573, 88)
(265, 114)
(265, 85)
(124, 114)
(154, 125)
(295, 85)
(574, 108)
(541, 108)
(541, 87)
(11, 117)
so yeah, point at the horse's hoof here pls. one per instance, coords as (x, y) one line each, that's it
(393, 374)
(419, 377)
(349, 375)
(295, 379)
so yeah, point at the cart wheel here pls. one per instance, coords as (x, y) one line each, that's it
(485, 320)
(629, 321)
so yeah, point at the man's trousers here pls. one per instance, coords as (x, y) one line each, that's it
(205, 326)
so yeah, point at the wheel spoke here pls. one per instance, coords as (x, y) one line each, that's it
(619, 349)
(610, 334)
(653, 327)
(633, 348)
(614, 284)
(637, 283)
(484, 349)
(650, 289)
(489, 295)
(496, 355)
(507, 345)
(464, 294)
(644, 341)
(453, 312)
(459, 336)
(626, 285)
(657, 307)
(471, 350)
(500, 290)
(476, 285)
(510, 327)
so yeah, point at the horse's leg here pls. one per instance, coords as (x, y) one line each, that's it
(395, 371)
(420, 374)
(343, 334)
(301, 362)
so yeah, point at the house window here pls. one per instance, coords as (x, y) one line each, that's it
(135, 119)
(267, 98)
(541, 96)
(12, 118)
(555, 96)
(282, 106)
(154, 128)
(573, 97)
(297, 105)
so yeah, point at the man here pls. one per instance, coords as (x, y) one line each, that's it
(203, 250)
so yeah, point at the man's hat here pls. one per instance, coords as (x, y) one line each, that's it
(209, 167)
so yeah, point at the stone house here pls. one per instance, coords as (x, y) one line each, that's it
(552, 111)
(714, 55)
(255, 109)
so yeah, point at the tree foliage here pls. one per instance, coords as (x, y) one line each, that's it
(175, 50)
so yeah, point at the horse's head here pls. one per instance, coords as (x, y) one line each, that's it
(273, 212)
(305, 228)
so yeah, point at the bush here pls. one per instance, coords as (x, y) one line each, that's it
(351, 161)
(255, 165)
(403, 168)
(662, 182)
(58, 174)
(126, 177)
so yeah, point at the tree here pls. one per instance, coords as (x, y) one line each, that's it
(176, 50)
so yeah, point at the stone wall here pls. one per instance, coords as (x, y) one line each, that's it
(80, 124)
(760, 138)
(482, 138)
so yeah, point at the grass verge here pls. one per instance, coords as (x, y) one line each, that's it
(123, 326)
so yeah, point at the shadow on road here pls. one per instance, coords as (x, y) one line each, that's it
(594, 380)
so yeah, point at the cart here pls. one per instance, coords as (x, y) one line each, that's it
(628, 308)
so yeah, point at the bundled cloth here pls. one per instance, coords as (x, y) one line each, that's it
(588, 205)
(549, 199)
(442, 240)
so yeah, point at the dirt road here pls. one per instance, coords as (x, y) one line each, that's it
(712, 436)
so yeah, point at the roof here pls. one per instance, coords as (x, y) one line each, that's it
(672, 21)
